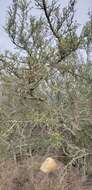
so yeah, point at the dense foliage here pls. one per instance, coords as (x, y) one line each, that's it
(46, 86)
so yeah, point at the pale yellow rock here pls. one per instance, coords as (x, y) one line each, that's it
(49, 165)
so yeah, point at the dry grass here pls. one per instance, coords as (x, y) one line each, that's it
(26, 175)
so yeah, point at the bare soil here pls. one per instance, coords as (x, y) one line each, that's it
(26, 175)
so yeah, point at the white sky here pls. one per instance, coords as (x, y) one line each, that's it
(82, 8)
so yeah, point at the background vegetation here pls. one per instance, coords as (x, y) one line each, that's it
(46, 85)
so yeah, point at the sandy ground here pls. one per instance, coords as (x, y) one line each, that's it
(27, 176)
